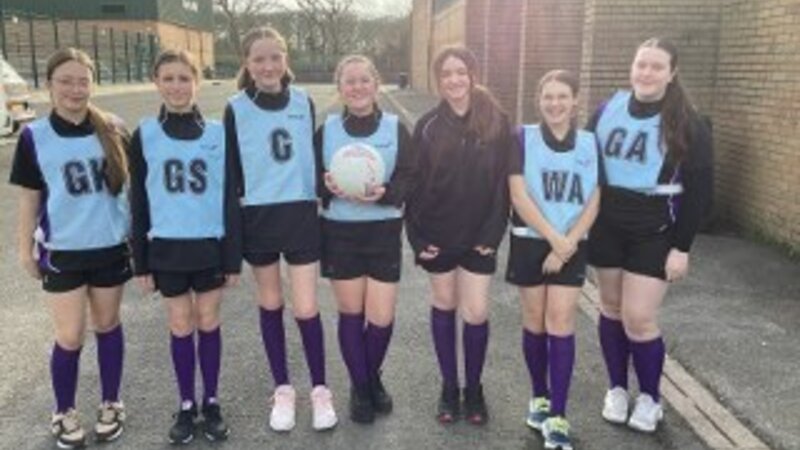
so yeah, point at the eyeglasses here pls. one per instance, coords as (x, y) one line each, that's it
(83, 83)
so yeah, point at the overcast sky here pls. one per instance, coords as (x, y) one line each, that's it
(375, 7)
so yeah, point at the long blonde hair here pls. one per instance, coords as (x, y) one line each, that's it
(112, 137)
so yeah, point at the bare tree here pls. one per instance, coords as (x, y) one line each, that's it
(335, 22)
(242, 15)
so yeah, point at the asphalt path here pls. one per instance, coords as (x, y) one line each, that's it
(410, 373)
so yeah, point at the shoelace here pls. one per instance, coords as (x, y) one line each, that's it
(70, 421)
(559, 425)
(541, 405)
(109, 412)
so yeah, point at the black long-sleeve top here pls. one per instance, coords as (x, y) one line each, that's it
(696, 173)
(402, 180)
(181, 254)
(461, 197)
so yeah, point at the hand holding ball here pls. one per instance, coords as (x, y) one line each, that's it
(357, 170)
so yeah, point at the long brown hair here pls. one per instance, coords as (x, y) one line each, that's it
(245, 79)
(111, 135)
(678, 110)
(487, 118)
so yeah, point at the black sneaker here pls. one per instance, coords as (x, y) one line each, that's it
(214, 427)
(475, 411)
(449, 405)
(182, 431)
(361, 407)
(381, 399)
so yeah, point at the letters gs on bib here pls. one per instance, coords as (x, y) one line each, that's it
(180, 177)
(281, 147)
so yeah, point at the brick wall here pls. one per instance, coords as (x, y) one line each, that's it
(614, 28)
(756, 116)
(553, 40)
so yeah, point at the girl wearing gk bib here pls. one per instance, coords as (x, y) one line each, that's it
(270, 126)
(657, 168)
(456, 219)
(186, 241)
(361, 235)
(553, 183)
(73, 224)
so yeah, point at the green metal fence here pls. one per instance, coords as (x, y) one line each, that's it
(27, 39)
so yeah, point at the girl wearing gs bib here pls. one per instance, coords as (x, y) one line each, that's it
(553, 184)
(186, 241)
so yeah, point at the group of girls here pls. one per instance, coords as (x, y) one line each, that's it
(203, 195)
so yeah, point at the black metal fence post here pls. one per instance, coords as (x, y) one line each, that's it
(34, 67)
(127, 59)
(96, 55)
(77, 35)
(3, 30)
(56, 39)
(113, 56)
(139, 55)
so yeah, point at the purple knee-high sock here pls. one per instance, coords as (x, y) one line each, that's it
(562, 359)
(351, 344)
(534, 347)
(209, 352)
(64, 372)
(648, 362)
(314, 346)
(274, 337)
(616, 350)
(476, 339)
(183, 360)
(443, 328)
(377, 342)
(110, 354)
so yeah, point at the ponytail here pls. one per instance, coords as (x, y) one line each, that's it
(112, 138)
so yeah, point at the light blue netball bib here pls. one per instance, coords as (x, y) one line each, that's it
(77, 212)
(560, 183)
(185, 182)
(384, 141)
(277, 150)
(630, 148)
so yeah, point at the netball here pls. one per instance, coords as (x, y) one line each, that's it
(357, 169)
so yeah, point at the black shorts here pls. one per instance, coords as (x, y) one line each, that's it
(526, 257)
(641, 252)
(173, 284)
(469, 260)
(382, 266)
(114, 274)
(294, 258)
(291, 229)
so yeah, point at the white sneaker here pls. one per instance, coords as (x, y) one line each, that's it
(616, 404)
(646, 414)
(322, 407)
(282, 416)
(67, 430)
